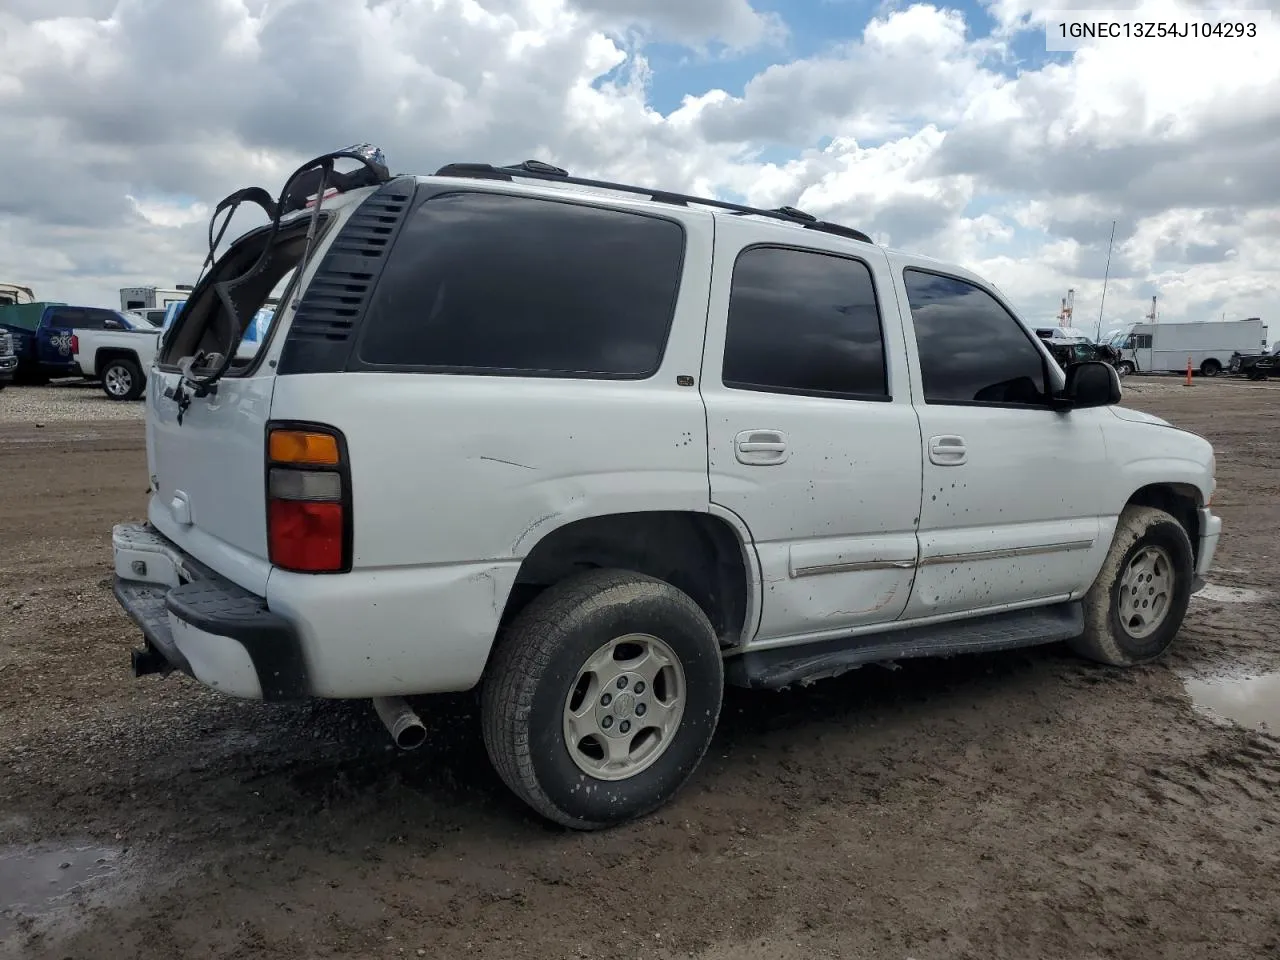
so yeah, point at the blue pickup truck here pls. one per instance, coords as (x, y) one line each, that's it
(41, 335)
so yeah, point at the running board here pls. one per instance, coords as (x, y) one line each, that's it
(805, 663)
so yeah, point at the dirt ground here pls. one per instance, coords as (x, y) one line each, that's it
(1023, 805)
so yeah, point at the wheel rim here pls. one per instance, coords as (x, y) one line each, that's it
(1146, 592)
(117, 381)
(624, 707)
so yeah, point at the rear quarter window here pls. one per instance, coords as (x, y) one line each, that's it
(497, 284)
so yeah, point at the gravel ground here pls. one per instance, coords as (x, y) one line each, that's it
(1022, 805)
(65, 401)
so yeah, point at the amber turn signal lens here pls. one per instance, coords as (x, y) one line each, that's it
(301, 446)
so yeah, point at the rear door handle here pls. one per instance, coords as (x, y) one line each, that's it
(947, 451)
(761, 447)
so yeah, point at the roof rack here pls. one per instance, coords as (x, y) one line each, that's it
(538, 170)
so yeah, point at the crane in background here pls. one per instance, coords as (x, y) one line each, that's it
(1068, 304)
(1152, 317)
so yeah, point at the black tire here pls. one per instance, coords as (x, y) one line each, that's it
(28, 376)
(1124, 368)
(3, 384)
(122, 379)
(535, 669)
(1106, 637)
(1211, 368)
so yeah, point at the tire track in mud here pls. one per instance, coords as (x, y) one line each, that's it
(1015, 805)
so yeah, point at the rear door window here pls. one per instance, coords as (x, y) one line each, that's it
(496, 284)
(804, 322)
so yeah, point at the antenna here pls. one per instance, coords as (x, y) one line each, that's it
(1105, 276)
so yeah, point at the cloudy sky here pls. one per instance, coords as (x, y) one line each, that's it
(945, 130)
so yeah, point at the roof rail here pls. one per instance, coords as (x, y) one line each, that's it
(538, 170)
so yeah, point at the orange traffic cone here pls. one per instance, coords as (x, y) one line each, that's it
(1188, 383)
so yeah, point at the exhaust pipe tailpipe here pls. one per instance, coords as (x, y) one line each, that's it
(407, 731)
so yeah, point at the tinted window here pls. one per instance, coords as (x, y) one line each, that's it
(971, 348)
(67, 318)
(486, 282)
(802, 322)
(97, 319)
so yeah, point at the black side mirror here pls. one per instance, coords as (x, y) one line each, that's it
(112, 325)
(1091, 384)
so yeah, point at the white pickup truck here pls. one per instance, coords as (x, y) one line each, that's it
(118, 358)
(595, 452)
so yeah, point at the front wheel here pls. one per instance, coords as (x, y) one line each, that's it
(122, 379)
(1136, 605)
(602, 698)
(1124, 368)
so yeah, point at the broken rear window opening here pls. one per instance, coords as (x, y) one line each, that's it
(205, 340)
(205, 329)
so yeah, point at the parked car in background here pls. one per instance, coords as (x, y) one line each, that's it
(1063, 335)
(155, 316)
(1257, 366)
(119, 359)
(42, 335)
(1069, 345)
(598, 452)
(8, 359)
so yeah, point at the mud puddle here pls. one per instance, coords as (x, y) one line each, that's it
(36, 882)
(1215, 593)
(1249, 699)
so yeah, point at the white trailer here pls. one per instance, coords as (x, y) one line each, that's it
(152, 298)
(1165, 347)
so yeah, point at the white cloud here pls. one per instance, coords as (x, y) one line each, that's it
(126, 119)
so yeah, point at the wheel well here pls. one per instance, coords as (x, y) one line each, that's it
(1180, 501)
(694, 552)
(107, 354)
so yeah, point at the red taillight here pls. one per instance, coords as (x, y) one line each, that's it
(308, 500)
(305, 536)
(75, 344)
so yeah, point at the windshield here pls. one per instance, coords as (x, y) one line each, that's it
(137, 321)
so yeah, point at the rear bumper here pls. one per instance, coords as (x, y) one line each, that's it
(1210, 530)
(195, 621)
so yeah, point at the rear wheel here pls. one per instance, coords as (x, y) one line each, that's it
(1136, 605)
(602, 698)
(122, 379)
(1211, 368)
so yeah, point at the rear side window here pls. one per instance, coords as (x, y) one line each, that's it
(490, 283)
(971, 348)
(804, 322)
(68, 318)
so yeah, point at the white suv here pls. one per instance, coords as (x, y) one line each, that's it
(596, 450)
